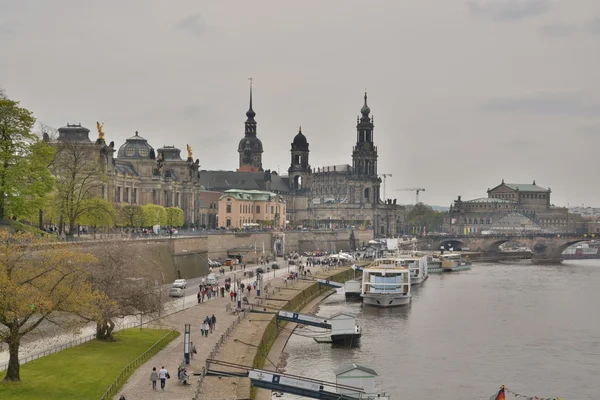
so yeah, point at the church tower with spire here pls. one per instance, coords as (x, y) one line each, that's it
(250, 148)
(364, 156)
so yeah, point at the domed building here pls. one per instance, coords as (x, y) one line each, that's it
(135, 147)
(139, 174)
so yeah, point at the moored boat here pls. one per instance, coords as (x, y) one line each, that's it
(386, 283)
(418, 267)
(454, 262)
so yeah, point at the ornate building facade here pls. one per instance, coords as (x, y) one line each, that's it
(139, 174)
(339, 195)
(343, 195)
(530, 202)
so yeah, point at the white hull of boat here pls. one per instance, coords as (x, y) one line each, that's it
(386, 300)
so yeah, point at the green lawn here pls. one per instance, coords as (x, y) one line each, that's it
(82, 372)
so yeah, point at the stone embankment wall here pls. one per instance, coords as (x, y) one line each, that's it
(187, 257)
(252, 339)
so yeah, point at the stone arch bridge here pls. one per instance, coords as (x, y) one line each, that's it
(546, 248)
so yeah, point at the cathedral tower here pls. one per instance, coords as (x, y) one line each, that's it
(299, 167)
(364, 156)
(250, 148)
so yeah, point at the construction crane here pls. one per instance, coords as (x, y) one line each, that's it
(417, 190)
(384, 176)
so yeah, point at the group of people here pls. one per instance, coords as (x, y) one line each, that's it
(161, 375)
(208, 325)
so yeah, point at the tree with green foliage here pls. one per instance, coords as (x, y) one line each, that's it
(173, 216)
(24, 159)
(40, 280)
(423, 215)
(100, 213)
(131, 216)
(80, 176)
(154, 215)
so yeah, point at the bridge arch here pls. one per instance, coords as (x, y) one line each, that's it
(571, 243)
(455, 244)
(495, 245)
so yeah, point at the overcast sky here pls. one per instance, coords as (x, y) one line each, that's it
(464, 92)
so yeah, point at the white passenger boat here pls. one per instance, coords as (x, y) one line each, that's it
(386, 283)
(418, 267)
(455, 262)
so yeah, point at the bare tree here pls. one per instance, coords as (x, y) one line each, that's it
(79, 168)
(130, 287)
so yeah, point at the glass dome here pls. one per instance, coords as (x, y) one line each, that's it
(135, 147)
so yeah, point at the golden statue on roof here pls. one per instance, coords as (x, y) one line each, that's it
(189, 150)
(99, 126)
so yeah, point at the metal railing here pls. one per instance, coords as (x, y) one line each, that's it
(216, 349)
(126, 372)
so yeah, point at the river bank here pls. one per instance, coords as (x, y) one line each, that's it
(253, 339)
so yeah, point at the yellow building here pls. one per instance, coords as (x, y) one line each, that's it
(251, 208)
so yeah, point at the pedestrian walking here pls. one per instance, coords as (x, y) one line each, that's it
(199, 298)
(193, 346)
(163, 375)
(154, 378)
(202, 329)
(213, 319)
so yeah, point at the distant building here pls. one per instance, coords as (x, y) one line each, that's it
(138, 174)
(335, 196)
(508, 207)
(250, 208)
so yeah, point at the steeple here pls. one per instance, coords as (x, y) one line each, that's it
(250, 113)
(250, 148)
(250, 122)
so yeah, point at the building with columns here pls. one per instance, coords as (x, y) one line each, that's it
(332, 196)
(138, 174)
(530, 202)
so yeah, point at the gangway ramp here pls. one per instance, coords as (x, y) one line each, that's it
(301, 386)
(329, 283)
(287, 383)
(304, 319)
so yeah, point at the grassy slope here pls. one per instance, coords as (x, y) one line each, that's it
(82, 372)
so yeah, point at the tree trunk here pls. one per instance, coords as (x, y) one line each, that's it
(104, 331)
(41, 219)
(13, 372)
(2, 205)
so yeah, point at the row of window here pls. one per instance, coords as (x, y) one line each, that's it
(487, 205)
(523, 196)
(247, 209)
(128, 195)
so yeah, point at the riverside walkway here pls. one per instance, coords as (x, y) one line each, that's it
(139, 387)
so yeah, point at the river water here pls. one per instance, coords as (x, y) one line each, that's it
(533, 328)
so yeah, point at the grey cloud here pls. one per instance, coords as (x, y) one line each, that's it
(8, 28)
(558, 30)
(516, 144)
(193, 24)
(594, 26)
(544, 103)
(590, 131)
(508, 10)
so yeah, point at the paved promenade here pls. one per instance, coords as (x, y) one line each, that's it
(240, 347)
(139, 387)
